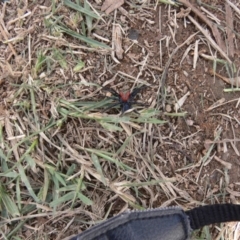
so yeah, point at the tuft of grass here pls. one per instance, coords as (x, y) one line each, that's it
(85, 10)
(57, 27)
(40, 63)
(89, 41)
(89, 17)
(7, 205)
(110, 122)
(60, 58)
(79, 66)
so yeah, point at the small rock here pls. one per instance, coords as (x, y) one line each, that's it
(189, 122)
(133, 34)
(168, 108)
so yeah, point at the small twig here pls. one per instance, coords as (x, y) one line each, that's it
(221, 102)
(211, 41)
(207, 155)
(233, 81)
(234, 142)
(18, 18)
(140, 72)
(233, 6)
(211, 15)
(226, 140)
(196, 54)
(213, 27)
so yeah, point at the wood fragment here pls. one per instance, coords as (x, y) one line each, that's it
(126, 13)
(229, 30)
(195, 58)
(117, 41)
(110, 5)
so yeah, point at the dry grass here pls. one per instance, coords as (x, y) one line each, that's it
(66, 165)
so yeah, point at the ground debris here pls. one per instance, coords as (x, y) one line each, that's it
(110, 5)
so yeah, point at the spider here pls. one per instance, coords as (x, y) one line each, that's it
(124, 99)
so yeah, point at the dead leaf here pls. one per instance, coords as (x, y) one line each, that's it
(111, 5)
(181, 101)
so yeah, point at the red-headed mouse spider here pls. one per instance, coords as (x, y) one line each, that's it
(124, 99)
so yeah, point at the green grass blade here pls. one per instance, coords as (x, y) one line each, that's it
(181, 114)
(85, 199)
(26, 182)
(149, 120)
(60, 58)
(126, 142)
(110, 159)
(18, 193)
(71, 169)
(78, 189)
(70, 196)
(65, 198)
(80, 65)
(7, 202)
(45, 185)
(111, 127)
(60, 178)
(81, 9)
(87, 40)
(170, 2)
(89, 20)
(98, 167)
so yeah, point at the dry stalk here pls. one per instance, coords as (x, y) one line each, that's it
(211, 41)
(213, 27)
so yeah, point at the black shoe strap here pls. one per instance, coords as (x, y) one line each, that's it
(210, 214)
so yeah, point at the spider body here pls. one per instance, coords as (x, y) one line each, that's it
(124, 96)
(124, 99)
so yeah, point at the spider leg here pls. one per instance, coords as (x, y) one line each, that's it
(136, 91)
(112, 91)
(110, 106)
(140, 104)
(113, 98)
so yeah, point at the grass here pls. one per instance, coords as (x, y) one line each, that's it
(65, 163)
